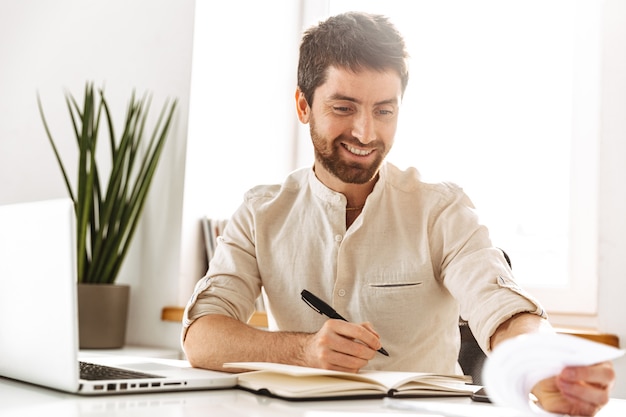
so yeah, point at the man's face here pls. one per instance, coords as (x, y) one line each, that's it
(353, 122)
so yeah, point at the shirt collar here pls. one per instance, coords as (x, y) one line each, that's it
(335, 198)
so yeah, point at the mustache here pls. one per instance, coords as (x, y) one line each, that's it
(352, 141)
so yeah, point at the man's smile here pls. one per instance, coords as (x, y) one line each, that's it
(356, 151)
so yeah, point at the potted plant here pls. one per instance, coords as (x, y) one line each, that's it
(108, 207)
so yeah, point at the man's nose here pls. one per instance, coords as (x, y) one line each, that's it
(363, 128)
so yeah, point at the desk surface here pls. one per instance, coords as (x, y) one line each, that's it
(19, 399)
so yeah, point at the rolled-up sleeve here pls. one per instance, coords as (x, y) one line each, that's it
(476, 273)
(232, 283)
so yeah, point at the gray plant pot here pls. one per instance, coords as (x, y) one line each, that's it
(102, 315)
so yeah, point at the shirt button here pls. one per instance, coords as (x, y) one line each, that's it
(341, 293)
(338, 238)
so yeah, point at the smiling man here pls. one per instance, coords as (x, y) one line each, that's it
(353, 123)
(399, 258)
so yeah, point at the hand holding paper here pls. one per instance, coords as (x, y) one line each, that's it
(518, 364)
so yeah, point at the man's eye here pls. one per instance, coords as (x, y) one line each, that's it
(341, 109)
(385, 112)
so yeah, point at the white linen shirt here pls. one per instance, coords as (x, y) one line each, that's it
(415, 259)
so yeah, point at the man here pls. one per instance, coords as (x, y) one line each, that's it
(399, 258)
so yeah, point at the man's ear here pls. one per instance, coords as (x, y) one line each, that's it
(302, 107)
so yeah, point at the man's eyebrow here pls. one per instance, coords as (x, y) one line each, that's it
(341, 97)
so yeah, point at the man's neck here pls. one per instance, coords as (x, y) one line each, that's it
(355, 194)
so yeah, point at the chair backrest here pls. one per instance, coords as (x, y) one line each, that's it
(471, 356)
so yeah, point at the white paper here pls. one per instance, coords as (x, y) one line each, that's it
(517, 364)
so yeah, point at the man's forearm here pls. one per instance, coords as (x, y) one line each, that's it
(214, 340)
(519, 324)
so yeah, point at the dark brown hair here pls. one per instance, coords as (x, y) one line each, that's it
(353, 41)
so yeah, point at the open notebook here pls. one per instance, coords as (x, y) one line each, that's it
(298, 383)
(38, 313)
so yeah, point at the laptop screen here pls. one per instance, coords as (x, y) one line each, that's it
(38, 320)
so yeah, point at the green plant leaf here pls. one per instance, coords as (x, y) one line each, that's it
(107, 218)
(55, 150)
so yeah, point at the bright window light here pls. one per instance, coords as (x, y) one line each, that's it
(503, 100)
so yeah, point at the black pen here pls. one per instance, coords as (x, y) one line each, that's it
(321, 307)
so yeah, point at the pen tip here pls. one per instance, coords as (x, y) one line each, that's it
(383, 351)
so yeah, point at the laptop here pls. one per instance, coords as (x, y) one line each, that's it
(39, 320)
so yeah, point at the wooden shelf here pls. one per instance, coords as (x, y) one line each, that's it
(259, 319)
(171, 313)
(590, 334)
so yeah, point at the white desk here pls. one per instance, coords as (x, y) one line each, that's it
(24, 400)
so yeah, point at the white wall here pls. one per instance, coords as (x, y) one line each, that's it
(240, 98)
(612, 201)
(54, 46)
(242, 114)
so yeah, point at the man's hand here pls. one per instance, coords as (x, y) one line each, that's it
(214, 339)
(342, 346)
(577, 391)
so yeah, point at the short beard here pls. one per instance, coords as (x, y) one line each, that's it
(328, 155)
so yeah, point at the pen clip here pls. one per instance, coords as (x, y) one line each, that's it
(320, 306)
(306, 297)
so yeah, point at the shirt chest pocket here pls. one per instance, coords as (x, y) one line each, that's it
(389, 300)
(391, 295)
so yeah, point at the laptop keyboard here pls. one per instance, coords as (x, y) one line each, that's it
(94, 372)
